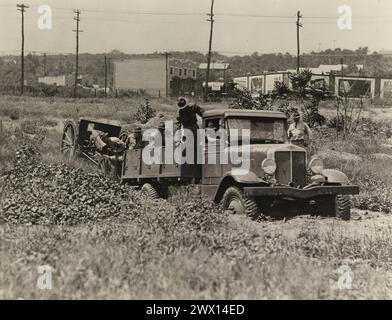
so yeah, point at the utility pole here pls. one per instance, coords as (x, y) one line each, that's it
(77, 18)
(167, 74)
(106, 76)
(211, 20)
(22, 8)
(44, 64)
(109, 73)
(341, 68)
(299, 24)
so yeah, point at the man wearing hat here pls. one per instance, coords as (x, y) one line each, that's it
(187, 114)
(135, 138)
(299, 132)
(187, 119)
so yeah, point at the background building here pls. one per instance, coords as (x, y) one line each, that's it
(263, 83)
(183, 77)
(155, 76)
(60, 81)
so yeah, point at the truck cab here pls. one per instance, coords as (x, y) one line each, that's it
(280, 175)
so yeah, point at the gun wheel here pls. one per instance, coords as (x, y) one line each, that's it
(107, 168)
(124, 137)
(68, 142)
(236, 202)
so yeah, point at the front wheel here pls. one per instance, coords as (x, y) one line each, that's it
(236, 202)
(338, 206)
(343, 207)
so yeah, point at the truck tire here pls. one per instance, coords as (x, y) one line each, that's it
(343, 207)
(236, 202)
(150, 191)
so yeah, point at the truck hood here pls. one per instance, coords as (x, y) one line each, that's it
(268, 149)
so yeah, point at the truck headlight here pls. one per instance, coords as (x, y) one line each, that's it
(316, 165)
(269, 166)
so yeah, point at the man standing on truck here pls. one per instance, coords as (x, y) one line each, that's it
(187, 114)
(299, 132)
(187, 119)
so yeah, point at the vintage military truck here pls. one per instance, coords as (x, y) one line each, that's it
(281, 179)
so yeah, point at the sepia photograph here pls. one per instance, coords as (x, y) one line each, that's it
(195, 155)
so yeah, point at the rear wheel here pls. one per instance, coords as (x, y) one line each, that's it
(69, 140)
(236, 202)
(150, 191)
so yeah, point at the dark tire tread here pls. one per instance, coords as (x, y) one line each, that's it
(250, 206)
(150, 191)
(343, 207)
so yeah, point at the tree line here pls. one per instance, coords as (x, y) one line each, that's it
(91, 66)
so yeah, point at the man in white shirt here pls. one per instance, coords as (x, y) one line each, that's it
(299, 132)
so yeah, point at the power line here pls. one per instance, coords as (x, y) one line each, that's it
(222, 14)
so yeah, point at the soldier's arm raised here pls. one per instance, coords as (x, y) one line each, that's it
(289, 134)
(198, 110)
(308, 131)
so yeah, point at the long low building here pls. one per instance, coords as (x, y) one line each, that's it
(352, 86)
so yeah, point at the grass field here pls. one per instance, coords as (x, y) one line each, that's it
(185, 249)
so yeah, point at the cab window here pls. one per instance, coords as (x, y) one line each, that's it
(262, 130)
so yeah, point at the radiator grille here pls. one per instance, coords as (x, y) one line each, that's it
(283, 170)
(291, 167)
(299, 168)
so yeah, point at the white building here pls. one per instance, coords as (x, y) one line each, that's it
(263, 83)
(58, 81)
(322, 69)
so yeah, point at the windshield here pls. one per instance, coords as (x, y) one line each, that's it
(262, 130)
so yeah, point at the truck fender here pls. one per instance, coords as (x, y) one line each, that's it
(335, 176)
(238, 175)
(235, 178)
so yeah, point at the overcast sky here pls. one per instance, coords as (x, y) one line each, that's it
(169, 25)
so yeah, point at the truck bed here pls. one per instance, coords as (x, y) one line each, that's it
(135, 171)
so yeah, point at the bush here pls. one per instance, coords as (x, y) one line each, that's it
(145, 112)
(50, 91)
(14, 115)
